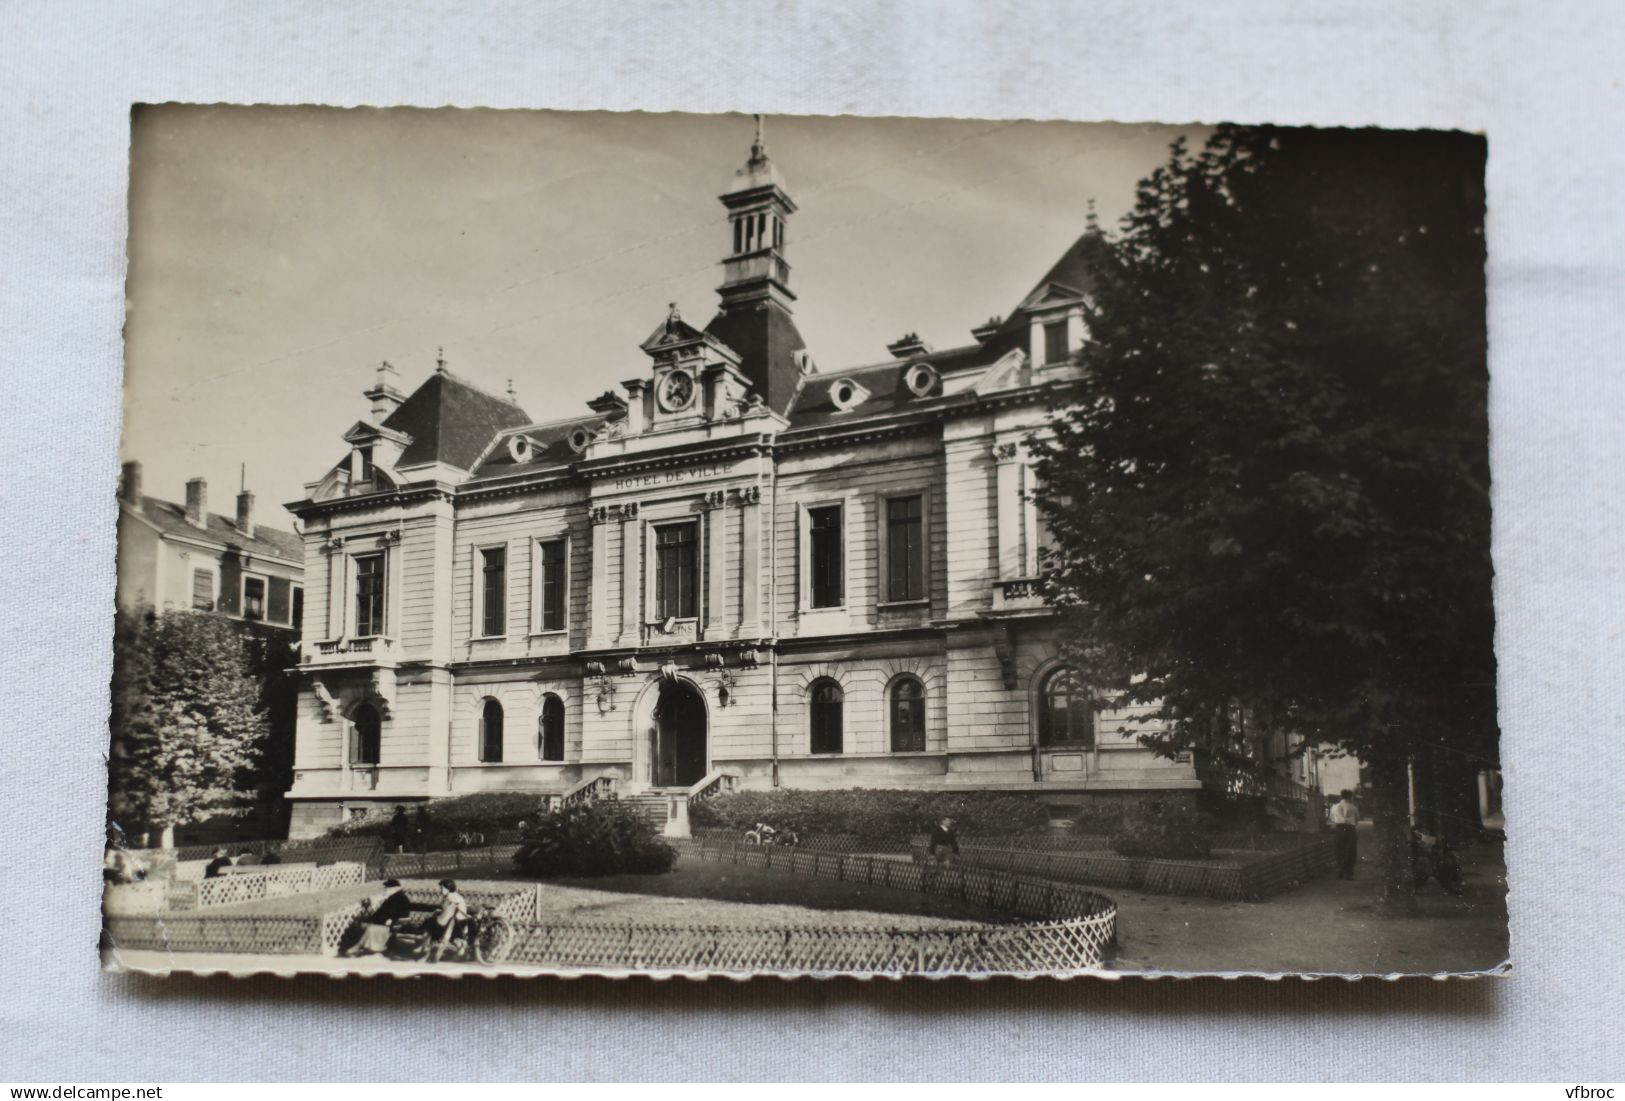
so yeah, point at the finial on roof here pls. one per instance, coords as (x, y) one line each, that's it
(440, 359)
(513, 395)
(673, 317)
(758, 148)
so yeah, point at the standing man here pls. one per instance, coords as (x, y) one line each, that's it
(944, 843)
(1345, 816)
(400, 830)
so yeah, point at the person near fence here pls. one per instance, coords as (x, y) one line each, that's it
(400, 830)
(944, 843)
(451, 917)
(379, 919)
(272, 855)
(1345, 816)
(248, 858)
(213, 868)
(420, 829)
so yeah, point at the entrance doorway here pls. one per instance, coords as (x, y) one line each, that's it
(679, 736)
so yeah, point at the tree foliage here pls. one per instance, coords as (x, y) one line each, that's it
(1269, 490)
(188, 720)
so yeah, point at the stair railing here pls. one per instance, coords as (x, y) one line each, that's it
(587, 791)
(711, 785)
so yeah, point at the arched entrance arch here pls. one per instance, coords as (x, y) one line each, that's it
(672, 745)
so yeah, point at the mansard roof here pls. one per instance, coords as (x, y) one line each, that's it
(170, 519)
(888, 391)
(452, 421)
(765, 337)
(1072, 276)
(549, 447)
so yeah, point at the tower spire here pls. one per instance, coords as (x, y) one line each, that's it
(758, 148)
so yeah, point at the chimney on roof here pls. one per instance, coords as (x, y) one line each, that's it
(909, 345)
(129, 485)
(197, 503)
(983, 332)
(384, 394)
(608, 404)
(245, 513)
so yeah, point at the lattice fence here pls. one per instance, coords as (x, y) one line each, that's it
(277, 883)
(400, 865)
(215, 933)
(149, 897)
(1251, 876)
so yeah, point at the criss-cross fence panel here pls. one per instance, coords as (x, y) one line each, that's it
(276, 883)
(443, 863)
(216, 933)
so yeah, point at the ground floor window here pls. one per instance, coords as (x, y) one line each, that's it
(827, 703)
(1066, 714)
(907, 715)
(491, 733)
(550, 728)
(365, 745)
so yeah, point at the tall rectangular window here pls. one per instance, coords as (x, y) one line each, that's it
(253, 598)
(826, 557)
(1055, 349)
(369, 595)
(675, 573)
(276, 600)
(203, 590)
(297, 616)
(905, 548)
(494, 591)
(550, 579)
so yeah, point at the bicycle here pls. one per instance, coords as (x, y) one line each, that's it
(765, 834)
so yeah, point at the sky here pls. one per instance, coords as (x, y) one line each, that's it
(278, 254)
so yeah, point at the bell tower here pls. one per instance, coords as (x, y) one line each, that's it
(758, 207)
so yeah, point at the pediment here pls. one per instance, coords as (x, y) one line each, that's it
(1052, 294)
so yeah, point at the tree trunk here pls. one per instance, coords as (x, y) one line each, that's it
(166, 839)
(1396, 894)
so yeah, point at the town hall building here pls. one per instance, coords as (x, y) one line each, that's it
(739, 569)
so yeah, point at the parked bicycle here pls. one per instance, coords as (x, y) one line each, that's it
(765, 834)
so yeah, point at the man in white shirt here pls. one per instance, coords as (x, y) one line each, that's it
(1345, 816)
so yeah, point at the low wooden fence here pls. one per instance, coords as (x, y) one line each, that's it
(277, 881)
(236, 935)
(401, 865)
(1252, 875)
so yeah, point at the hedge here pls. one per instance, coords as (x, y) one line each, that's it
(603, 838)
(882, 816)
(486, 813)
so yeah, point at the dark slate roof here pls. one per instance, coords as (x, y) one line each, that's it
(451, 421)
(887, 391)
(549, 447)
(170, 518)
(766, 339)
(1075, 270)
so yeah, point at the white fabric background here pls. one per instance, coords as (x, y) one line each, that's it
(1542, 78)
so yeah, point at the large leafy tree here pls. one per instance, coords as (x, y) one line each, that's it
(188, 722)
(1269, 491)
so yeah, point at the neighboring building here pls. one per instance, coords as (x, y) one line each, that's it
(739, 565)
(183, 556)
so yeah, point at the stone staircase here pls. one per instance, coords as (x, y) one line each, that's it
(651, 806)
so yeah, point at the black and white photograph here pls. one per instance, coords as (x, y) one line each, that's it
(556, 543)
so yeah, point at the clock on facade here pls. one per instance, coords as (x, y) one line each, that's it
(676, 391)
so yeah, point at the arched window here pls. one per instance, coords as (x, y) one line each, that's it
(491, 732)
(550, 728)
(826, 703)
(907, 715)
(1066, 714)
(365, 743)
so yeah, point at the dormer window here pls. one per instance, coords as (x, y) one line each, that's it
(519, 449)
(578, 439)
(846, 394)
(921, 379)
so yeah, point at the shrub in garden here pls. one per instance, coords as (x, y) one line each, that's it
(450, 820)
(602, 838)
(876, 817)
(1163, 828)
